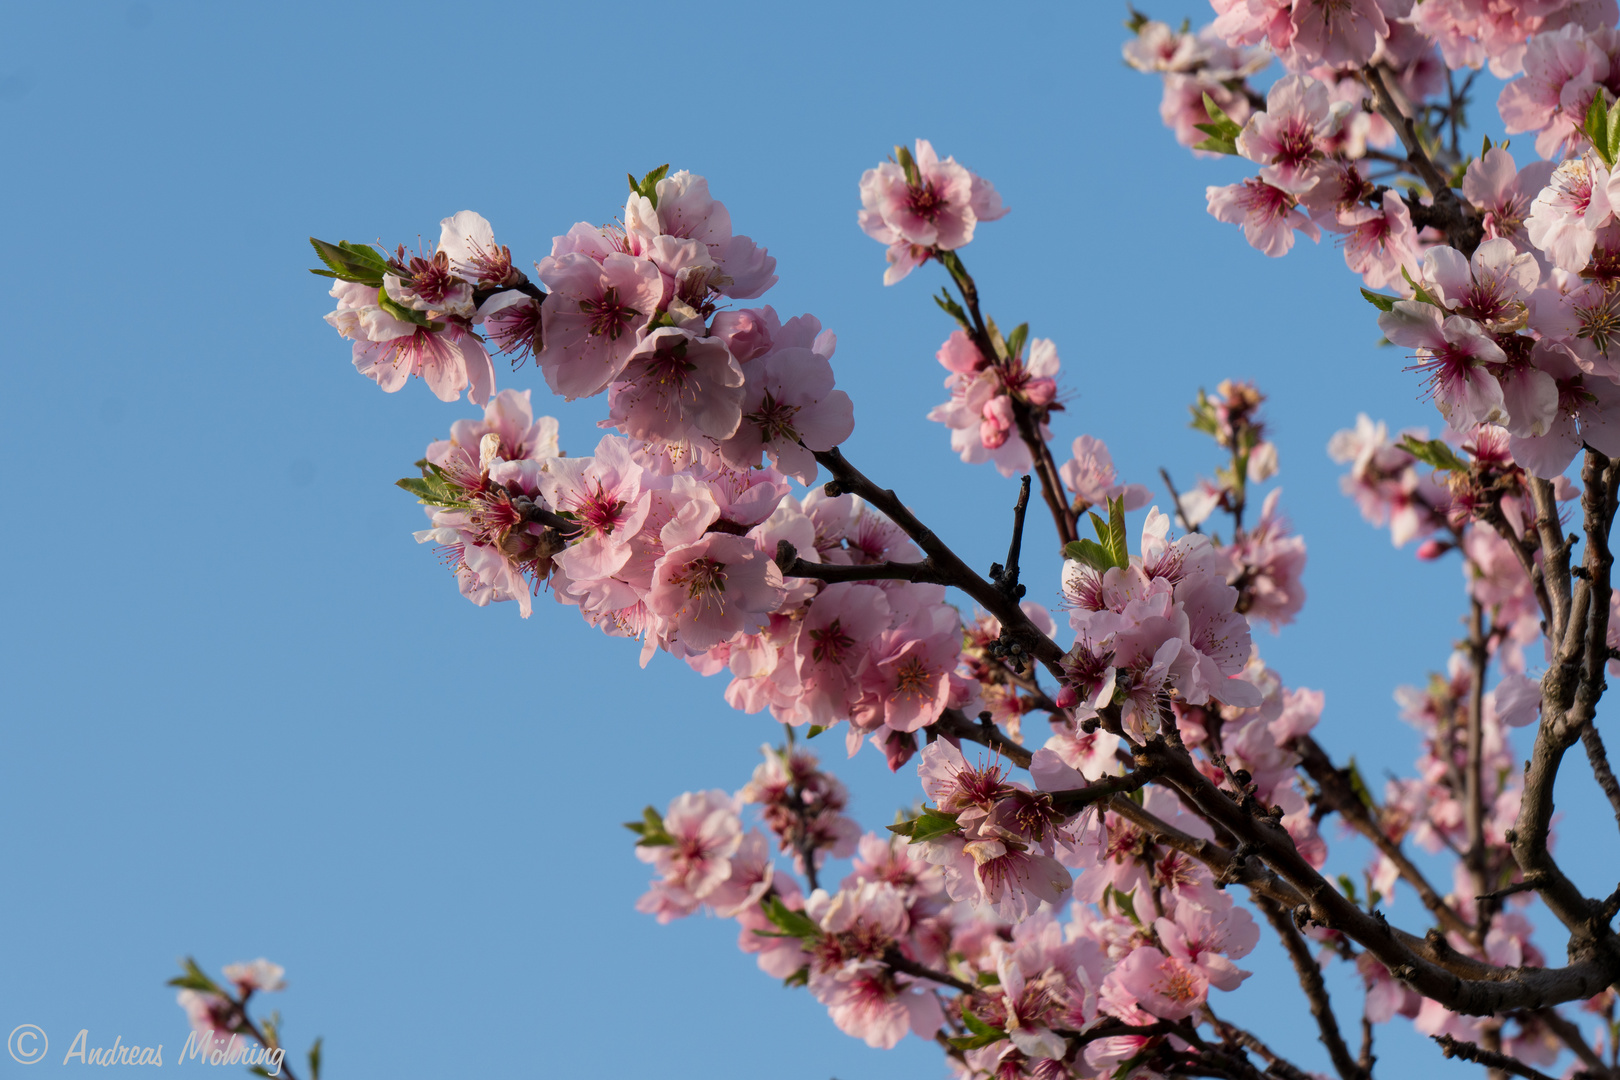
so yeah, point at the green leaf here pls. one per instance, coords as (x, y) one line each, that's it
(815, 729)
(928, 825)
(1359, 786)
(1348, 888)
(315, 1060)
(403, 313)
(648, 185)
(1118, 546)
(1434, 453)
(1091, 553)
(651, 829)
(952, 308)
(1611, 130)
(793, 923)
(1224, 126)
(998, 342)
(983, 1034)
(1596, 128)
(351, 262)
(1015, 340)
(798, 978)
(908, 165)
(1215, 144)
(1419, 293)
(979, 1027)
(988, 978)
(195, 979)
(1379, 300)
(1203, 415)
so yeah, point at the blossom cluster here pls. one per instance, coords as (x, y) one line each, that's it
(891, 949)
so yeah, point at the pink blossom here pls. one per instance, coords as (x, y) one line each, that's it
(1164, 986)
(1453, 352)
(832, 647)
(1090, 475)
(1343, 33)
(790, 410)
(1286, 138)
(604, 495)
(1379, 242)
(594, 318)
(1271, 561)
(685, 210)
(1503, 192)
(675, 386)
(510, 417)
(907, 681)
(1561, 73)
(1210, 940)
(253, 975)
(390, 350)
(1493, 286)
(705, 832)
(714, 589)
(939, 210)
(1267, 214)
(1566, 215)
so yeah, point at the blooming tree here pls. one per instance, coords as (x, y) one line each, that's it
(1112, 811)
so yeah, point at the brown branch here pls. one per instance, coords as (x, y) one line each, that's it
(955, 572)
(1571, 1037)
(899, 963)
(1276, 1064)
(1593, 742)
(1175, 498)
(788, 561)
(954, 722)
(1024, 417)
(1462, 227)
(1431, 967)
(1474, 776)
(1310, 980)
(1337, 793)
(1454, 1047)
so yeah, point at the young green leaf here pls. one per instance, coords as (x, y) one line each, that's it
(315, 1060)
(1091, 553)
(351, 262)
(1015, 340)
(928, 825)
(1596, 128)
(1418, 291)
(1359, 786)
(195, 979)
(1379, 300)
(1118, 545)
(952, 308)
(793, 923)
(1434, 453)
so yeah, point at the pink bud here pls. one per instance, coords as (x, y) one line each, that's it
(1040, 391)
(1068, 697)
(1432, 549)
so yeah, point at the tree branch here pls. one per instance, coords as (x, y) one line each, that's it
(1453, 1047)
(1310, 980)
(954, 571)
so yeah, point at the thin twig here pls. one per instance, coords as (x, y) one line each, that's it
(1454, 1047)
(1310, 980)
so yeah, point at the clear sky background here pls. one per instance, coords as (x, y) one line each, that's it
(244, 714)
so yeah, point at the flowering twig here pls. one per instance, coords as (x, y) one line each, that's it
(846, 477)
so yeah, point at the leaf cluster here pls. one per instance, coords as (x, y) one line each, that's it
(1221, 129)
(980, 1033)
(647, 186)
(433, 488)
(1603, 128)
(650, 829)
(1110, 549)
(929, 825)
(360, 263)
(1434, 453)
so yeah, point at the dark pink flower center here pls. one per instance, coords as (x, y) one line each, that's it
(608, 315)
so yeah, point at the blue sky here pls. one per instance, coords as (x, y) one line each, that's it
(246, 715)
